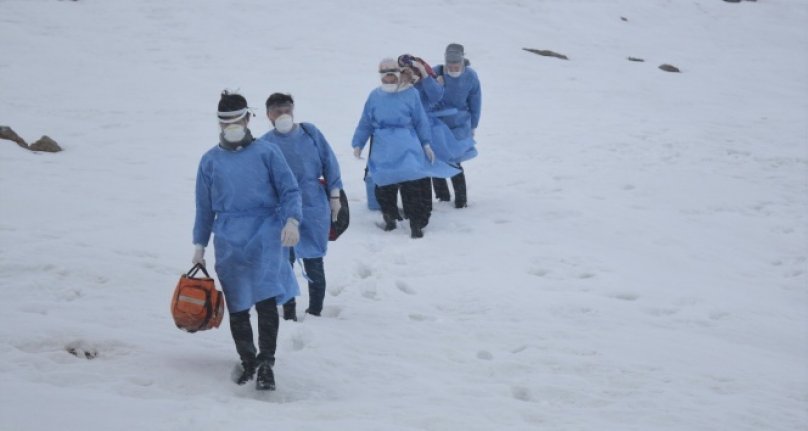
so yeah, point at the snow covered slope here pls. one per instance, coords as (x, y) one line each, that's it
(634, 255)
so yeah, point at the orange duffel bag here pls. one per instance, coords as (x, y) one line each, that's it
(197, 305)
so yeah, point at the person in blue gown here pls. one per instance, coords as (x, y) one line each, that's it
(461, 92)
(311, 158)
(401, 157)
(249, 200)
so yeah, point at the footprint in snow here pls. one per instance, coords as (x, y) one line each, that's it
(331, 311)
(625, 296)
(369, 293)
(336, 290)
(418, 317)
(485, 355)
(538, 272)
(521, 393)
(363, 271)
(299, 340)
(402, 286)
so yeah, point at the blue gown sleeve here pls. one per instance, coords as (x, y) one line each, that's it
(475, 102)
(203, 224)
(420, 120)
(285, 184)
(331, 171)
(432, 90)
(365, 127)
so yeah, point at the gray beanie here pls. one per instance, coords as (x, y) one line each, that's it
(454, 53)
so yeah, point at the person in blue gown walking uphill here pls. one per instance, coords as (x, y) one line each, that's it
(310, 157)
(248, 198)
(461, 92)
(401, 156)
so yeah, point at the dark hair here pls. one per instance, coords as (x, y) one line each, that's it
(230, 102)
(276, 99)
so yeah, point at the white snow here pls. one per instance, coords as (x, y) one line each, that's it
(634, 255)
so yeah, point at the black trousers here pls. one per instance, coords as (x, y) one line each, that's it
(241, 329)
(416, 197)
(458, 184)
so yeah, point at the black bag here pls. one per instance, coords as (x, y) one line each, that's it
(343, 218)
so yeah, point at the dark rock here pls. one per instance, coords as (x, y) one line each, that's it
(635, 59)
(79, 352)
(669, 68)
(546, 53)
(732, 1)
(624, 18)
(45, 144)
(9, 134)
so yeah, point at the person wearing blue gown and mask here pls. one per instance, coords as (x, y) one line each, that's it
(461, 92)
(401, 157)
(249, 200)
(310, 157)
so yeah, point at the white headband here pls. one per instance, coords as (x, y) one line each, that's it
(233, 116)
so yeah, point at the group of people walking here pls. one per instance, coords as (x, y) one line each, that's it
(270, 201)
(421, 123)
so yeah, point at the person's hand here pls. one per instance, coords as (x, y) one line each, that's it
(421, 69)
(290, 234)
(199, 255)
(429, 153)
(335, 204)
(439, 79)
(357, 152)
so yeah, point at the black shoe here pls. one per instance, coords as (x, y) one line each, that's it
(312, 313)
(247, 373)
(289, 311)
(460, 204)
(443, 197)
(265, 378)
(416, 232)
(389, 225)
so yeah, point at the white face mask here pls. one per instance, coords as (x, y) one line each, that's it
(234, 132)
(390, 88)
(284, 123)
(455, 74)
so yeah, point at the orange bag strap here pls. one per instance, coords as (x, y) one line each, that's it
(196, 268)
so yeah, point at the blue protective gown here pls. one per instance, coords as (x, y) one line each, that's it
(244, 198)
(462, 93)
(310, 157)
(447, 147)
(400, 129)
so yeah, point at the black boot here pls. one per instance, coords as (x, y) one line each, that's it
(459, 184)
(241, 329)
(290, 310)
(441, 189)
(247, 373)
(416, 232)
(265, 378)
(389, 223)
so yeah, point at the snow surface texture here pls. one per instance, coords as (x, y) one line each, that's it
(634, 255)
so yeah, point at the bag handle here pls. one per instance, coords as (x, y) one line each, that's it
(192, 272)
